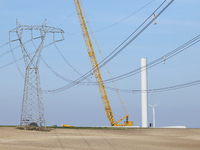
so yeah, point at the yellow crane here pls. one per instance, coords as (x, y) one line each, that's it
(96, 70)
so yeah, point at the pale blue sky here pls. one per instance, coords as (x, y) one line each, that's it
(82, 105)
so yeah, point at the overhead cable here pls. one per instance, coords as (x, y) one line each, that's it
(164, 89)
(118, 49)
(4, 44)
(16, 61)
(12, 48)
(162, 59)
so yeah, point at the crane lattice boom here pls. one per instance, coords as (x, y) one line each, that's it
(95, 68)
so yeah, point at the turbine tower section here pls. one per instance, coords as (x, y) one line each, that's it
(144, 93)
(32, 110)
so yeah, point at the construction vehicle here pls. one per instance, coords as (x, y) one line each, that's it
(66, 126)
(96, 70)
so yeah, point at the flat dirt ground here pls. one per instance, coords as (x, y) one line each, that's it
(100, 139)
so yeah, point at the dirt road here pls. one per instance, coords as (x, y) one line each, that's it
(97, 139)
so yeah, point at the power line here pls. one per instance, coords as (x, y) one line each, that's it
(116, 51)
(149, 17)
(20, 57)
(151, 22)
(162, 59)
(4, 45)
(157, 90)
(136, 71)
(15, 60)
(151, 64)
(127, 38)
(165, 89)
(185, 85)
(130, 38)
(66, 60)
(53, 71)
(12, 48)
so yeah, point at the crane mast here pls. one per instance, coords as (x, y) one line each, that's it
(96, 70)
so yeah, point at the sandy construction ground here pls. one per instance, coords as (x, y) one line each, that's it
(97, 139)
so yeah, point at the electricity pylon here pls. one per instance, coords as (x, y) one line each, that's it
(32, 110)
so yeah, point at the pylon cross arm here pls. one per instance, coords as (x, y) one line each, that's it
(44, 28)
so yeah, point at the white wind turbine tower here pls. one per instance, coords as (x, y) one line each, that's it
(154, 121)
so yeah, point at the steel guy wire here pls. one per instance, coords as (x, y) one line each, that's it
(66, 19)
(109, 25)
(113, 23)
(124, 18)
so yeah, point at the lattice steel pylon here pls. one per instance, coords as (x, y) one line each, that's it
(32, 110)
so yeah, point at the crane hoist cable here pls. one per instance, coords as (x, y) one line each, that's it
(91, 31)
(96, 70)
